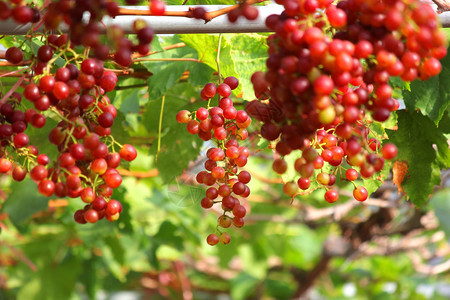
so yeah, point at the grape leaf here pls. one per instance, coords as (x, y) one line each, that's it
(167, 235)
(12, 41)
(291, 174)
(447, 32)
(114, 267)
(92, 234)
(243, 286)
(120, 134)
(39, 137)
(167, 74)
(439, 202)
(206, 46)
(415, 138)
(178, 147)
(431, 97)
(128, 100)
(372, 184)
(199, 74)
(397, 82)
(22, 203)
(249, 52)
(444, 124)
(37, 288)
(156, 45)
(165, 78)
(117, 249)
(89, 277)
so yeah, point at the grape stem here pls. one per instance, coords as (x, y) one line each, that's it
(133, 86)
(443, 5)
(14, 72)
(167, 59)
(15, 86)
(218, 58)
(7, 63)
(60, 115)
(21, 256)
(160, 127)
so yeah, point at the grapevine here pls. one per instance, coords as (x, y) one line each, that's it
(243, 149)
(328, 81)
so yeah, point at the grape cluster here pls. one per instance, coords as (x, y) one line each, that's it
(86, 164)
(88, 34)
(74, 94)
(327, 80)
(19, 12)
(226, 126)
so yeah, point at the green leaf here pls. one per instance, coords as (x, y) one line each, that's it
(372, 184)
(447, 32)
(199, 74)
(444, 124)
(243, 286)
(160, 82)
(252, 263)
(39, 137)
(415, 138)
(167, 236)
(167, 74)
(23, 202)
(431, 97)
(93, 234)
(441, 206)
(118, 129)
(12, 41)
(207, 45)
(43, 284)
(156, 45)
(397, 82)
(118, 251)
(114, 267)
(280, 285)
(128, 100)
(249, 53)
(89, 277)
(178, 147)
(291, 173)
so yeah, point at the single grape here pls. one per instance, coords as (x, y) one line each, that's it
(331, 196)
(360, 193)
(212, 239)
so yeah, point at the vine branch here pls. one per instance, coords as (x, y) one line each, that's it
(443, 5)
(139, 174)
(21, 256)
(187, 14)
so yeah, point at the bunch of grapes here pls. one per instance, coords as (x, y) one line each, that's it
(328, 79)
(88, 34)
(226, 126)
(86, 164)
(19, 12)
(74, 94)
